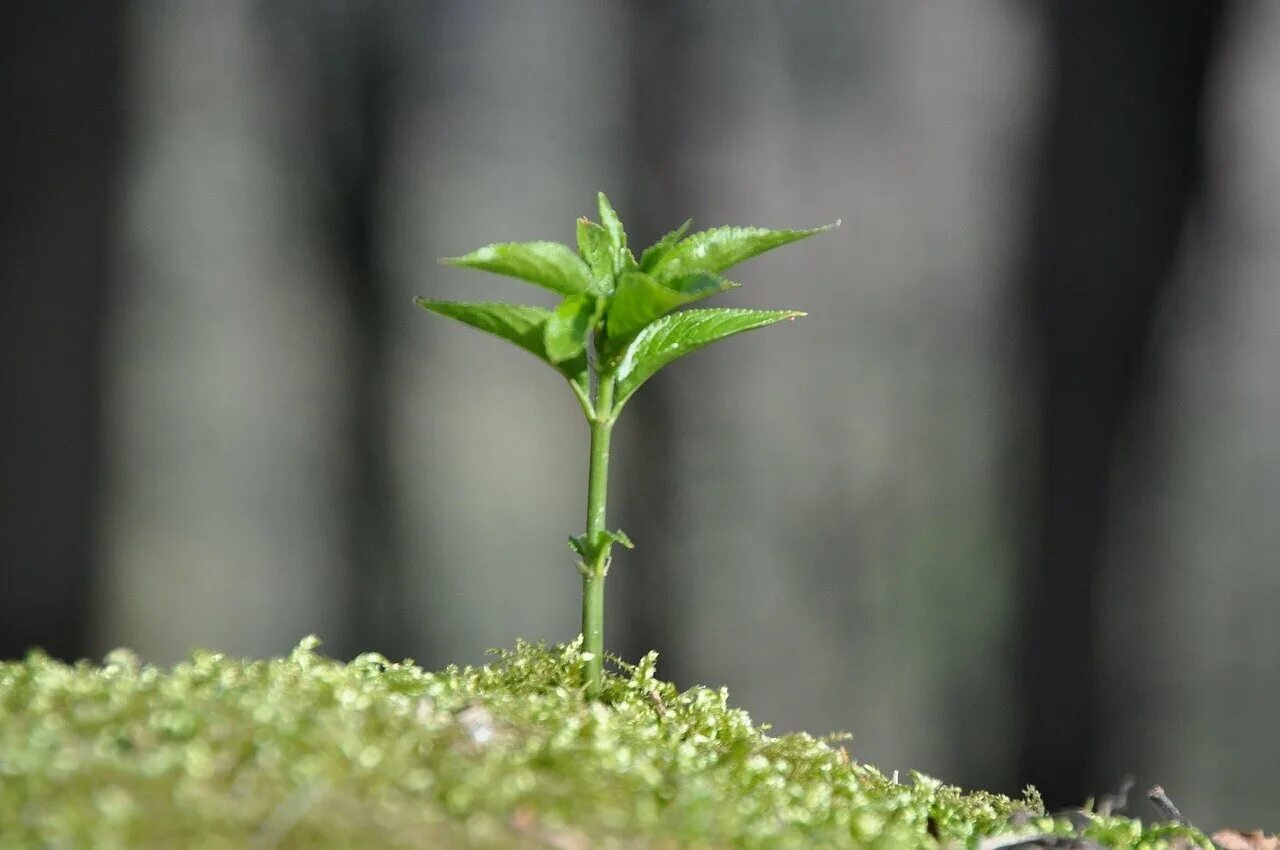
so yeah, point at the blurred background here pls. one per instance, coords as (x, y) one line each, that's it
(1003, 506)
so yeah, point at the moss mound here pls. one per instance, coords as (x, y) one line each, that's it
(307, 752)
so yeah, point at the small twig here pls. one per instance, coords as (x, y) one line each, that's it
(658, 705)
(1112, 803)
(1161, 801)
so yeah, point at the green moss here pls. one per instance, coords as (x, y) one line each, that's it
(308, 752)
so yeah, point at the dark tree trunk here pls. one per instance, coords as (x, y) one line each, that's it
(61, 81)
(661, 192)
(355, 126)
(1120, 168)
(347, 55)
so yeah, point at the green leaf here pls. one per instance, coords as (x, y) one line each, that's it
(620, 537)
(701, 284)
(721, 247)
(596, 251)
(655, 252)
(628, 263)
(639, 299)
(623, 260)
(518, 324)
(567, 328)
(547, 264)
(617, 236)
(674, 336)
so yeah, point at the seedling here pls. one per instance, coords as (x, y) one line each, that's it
(615, 326)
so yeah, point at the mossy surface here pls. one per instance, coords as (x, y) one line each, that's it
(307, 752)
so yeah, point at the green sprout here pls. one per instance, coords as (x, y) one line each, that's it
(614, 328)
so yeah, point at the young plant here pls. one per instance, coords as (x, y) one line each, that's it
(615, 326)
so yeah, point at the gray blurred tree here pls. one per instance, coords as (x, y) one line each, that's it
(344, 59)
(1120, 166)
(662, 188)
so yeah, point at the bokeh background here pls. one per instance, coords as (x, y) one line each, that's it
(1003, 506)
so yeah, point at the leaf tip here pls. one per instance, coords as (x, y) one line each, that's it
(476, 258)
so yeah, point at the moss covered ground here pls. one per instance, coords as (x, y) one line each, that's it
(308, 752)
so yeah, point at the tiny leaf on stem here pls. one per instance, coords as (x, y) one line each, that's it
(547, 264)
(620, 537)
(674, 336)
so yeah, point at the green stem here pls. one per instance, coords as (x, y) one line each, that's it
(597, 543)
(593, 631)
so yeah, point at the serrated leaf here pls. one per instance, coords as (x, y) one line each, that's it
(519, 324)
(674, 336)
(596, 251)
(719, 248)
(639, 299)
(629, 263)
(610, 222)
(547, 264)
(566, 330)
(655, 252)
(702, 284)
(613, 228)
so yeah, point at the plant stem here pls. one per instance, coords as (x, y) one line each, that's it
(593, 631)
(598, 545)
